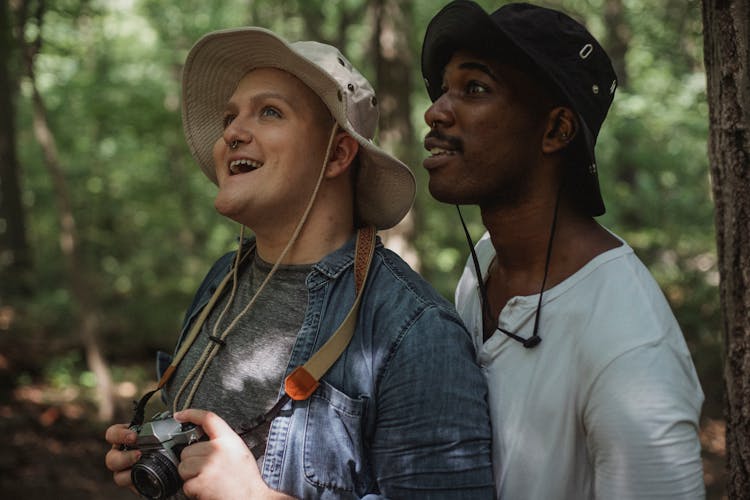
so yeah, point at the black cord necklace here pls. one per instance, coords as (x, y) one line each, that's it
(535, 339)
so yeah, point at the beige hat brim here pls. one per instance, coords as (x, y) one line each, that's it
(217, 62)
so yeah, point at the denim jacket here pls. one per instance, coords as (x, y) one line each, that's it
(401, 414)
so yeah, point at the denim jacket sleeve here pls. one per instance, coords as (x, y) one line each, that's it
(431, 440)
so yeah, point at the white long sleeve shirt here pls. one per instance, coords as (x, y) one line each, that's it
(607, 406)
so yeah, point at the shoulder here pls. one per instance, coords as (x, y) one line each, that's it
(624, 327)
(391, 274)
(619, 300)
(402, 308)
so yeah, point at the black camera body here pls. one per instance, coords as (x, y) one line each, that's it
(161, 441)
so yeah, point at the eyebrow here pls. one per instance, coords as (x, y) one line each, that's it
(479, 67)
(261, 97)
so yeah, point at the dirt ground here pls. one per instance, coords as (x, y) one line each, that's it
(53, 453)
(54, 446)
(57, 452)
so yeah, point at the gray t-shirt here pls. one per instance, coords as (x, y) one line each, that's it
(244, 378)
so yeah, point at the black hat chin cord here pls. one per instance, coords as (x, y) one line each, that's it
(535, 339)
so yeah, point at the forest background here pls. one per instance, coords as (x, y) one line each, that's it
(113, 225)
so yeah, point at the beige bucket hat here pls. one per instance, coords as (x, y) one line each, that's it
(217, 62)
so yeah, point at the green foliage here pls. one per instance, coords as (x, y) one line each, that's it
(64, 370)
(110, 76)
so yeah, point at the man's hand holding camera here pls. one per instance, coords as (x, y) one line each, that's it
(221, 467)
(117, 460)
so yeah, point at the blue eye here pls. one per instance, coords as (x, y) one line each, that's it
(270, 111)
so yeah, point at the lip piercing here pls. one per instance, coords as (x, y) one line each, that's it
(234, 144)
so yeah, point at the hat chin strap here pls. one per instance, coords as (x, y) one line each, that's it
(535, 339)
(212, 348)
(313, 196)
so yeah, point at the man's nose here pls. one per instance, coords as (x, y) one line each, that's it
(439, 112)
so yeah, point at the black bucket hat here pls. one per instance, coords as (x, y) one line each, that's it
(560, 50)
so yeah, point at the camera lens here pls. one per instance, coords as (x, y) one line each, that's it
(155, 476)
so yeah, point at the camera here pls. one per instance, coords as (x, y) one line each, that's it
(161, 441)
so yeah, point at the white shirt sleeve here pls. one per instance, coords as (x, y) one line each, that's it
(641, 427)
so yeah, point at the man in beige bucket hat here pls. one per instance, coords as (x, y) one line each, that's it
(323, 366)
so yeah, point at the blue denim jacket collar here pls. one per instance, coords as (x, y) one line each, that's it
(335, 263)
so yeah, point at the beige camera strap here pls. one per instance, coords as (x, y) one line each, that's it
(303, 381)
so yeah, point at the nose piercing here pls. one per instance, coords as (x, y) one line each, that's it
(433, 124)
(234, 144)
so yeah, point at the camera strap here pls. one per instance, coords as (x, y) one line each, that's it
(304, 380)
(140, 406)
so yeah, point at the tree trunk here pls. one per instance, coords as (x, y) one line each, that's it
(86, 311)
(727, 59)
(15, 257)
(394, 22)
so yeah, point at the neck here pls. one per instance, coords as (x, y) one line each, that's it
(328, 226)
(312, 244)
(521, 236)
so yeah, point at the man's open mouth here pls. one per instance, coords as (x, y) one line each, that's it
(441, 152)
(243, 165)
(439, 145)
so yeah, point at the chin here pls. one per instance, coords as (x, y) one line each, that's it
(226, 207)
(449, 194)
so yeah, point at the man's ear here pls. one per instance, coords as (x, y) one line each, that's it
(562, 127)
(343, 151)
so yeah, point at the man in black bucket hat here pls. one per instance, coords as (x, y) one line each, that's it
(593, 393)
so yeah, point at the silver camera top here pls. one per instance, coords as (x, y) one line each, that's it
(164, 431)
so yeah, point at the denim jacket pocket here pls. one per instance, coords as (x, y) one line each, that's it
(333, 447)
